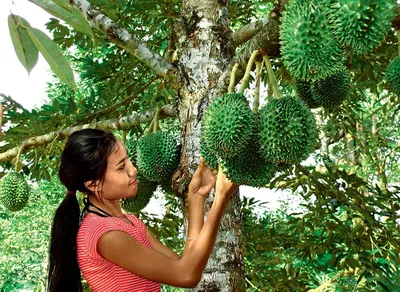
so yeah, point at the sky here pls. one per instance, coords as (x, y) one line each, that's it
(29, 90)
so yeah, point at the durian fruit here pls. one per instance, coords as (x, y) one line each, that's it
(249, 167)
(210, 159)
(392, 74)
(361, 24)
(287, 130)
(14, 191)
(226, 125)
(131, 145)
(141, 200)
(308, 46)
(303, 91)
(333, 90)
(157, 156)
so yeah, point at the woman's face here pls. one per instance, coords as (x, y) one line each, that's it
(120, 180)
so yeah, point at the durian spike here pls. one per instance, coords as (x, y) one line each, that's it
(271, 77)
(256, 102)
(245, 80)
(231, 87)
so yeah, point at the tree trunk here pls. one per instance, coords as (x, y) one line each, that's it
(204, 50)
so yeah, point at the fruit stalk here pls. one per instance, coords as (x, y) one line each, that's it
(231, 87)
(245, 80)
(271, 77)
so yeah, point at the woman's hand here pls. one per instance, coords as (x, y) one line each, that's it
(224, 187)
(203, 180)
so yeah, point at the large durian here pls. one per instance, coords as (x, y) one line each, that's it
(14, 191)
(141, 200)
(131, 150)
(226, 125)
(308, 46)
(157, 156)
(287, 130)
(392, 75)
(249, 167)
(361, 24)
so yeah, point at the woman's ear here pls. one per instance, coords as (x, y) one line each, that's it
(91, 185)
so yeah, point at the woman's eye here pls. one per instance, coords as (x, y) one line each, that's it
(122, 167)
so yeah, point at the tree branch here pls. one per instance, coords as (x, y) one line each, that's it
(125, 40)
(248, 31)
(115, 124)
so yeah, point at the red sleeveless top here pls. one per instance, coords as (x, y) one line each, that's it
(103, 275)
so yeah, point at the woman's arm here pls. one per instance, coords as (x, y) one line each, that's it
(126, 252)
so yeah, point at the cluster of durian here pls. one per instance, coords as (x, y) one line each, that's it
(315, 36)
(282, 133)
(14, 191)
(156, 157)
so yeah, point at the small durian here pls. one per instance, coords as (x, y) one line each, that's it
(157, 156)
(361, 24)
(333, 90)
(14, 191)
(303, 91)
(392, 75)
(287, 130)
(308, 46)
(226, 125)
(141, 200)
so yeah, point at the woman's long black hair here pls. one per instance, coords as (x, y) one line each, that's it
(84, 158)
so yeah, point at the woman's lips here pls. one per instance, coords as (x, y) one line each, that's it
(135, 181)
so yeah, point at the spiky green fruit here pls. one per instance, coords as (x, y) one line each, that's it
(131, 145)
(226, 125)
(157, 156)
(333, 90)
(145, 192)
(14, 191)
(287, 130)
(361, 24)
(303, 91)
(309, 49)
(392, 74)
(249, 167)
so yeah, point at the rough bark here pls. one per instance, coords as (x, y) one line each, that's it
(205, 50)
(115, 124)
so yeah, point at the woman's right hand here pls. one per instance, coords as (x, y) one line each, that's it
(224, 187)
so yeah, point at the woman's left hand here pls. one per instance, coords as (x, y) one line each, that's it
(203, 180)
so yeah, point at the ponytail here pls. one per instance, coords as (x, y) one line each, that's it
(64, 272)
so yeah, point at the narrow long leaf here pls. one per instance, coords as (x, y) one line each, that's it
(70, 15)
(26, 51)
(53, 56)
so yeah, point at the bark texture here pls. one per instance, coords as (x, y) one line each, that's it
(205, 50)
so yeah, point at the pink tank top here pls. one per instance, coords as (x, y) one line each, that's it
(103, 275)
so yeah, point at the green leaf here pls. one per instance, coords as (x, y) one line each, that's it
(26, 51)
(63, 3)
(53, 56)
(70, 16)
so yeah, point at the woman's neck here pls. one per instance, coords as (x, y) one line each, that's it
(111, 207)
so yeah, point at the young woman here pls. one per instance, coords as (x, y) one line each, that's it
(114, 251)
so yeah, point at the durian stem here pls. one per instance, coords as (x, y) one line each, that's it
(256, 102)
(150, 127)
(245, 80)
(156, 121)
(231, 87)
(123, 136)
(398, 41)
(271, 77)
(18, 157)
